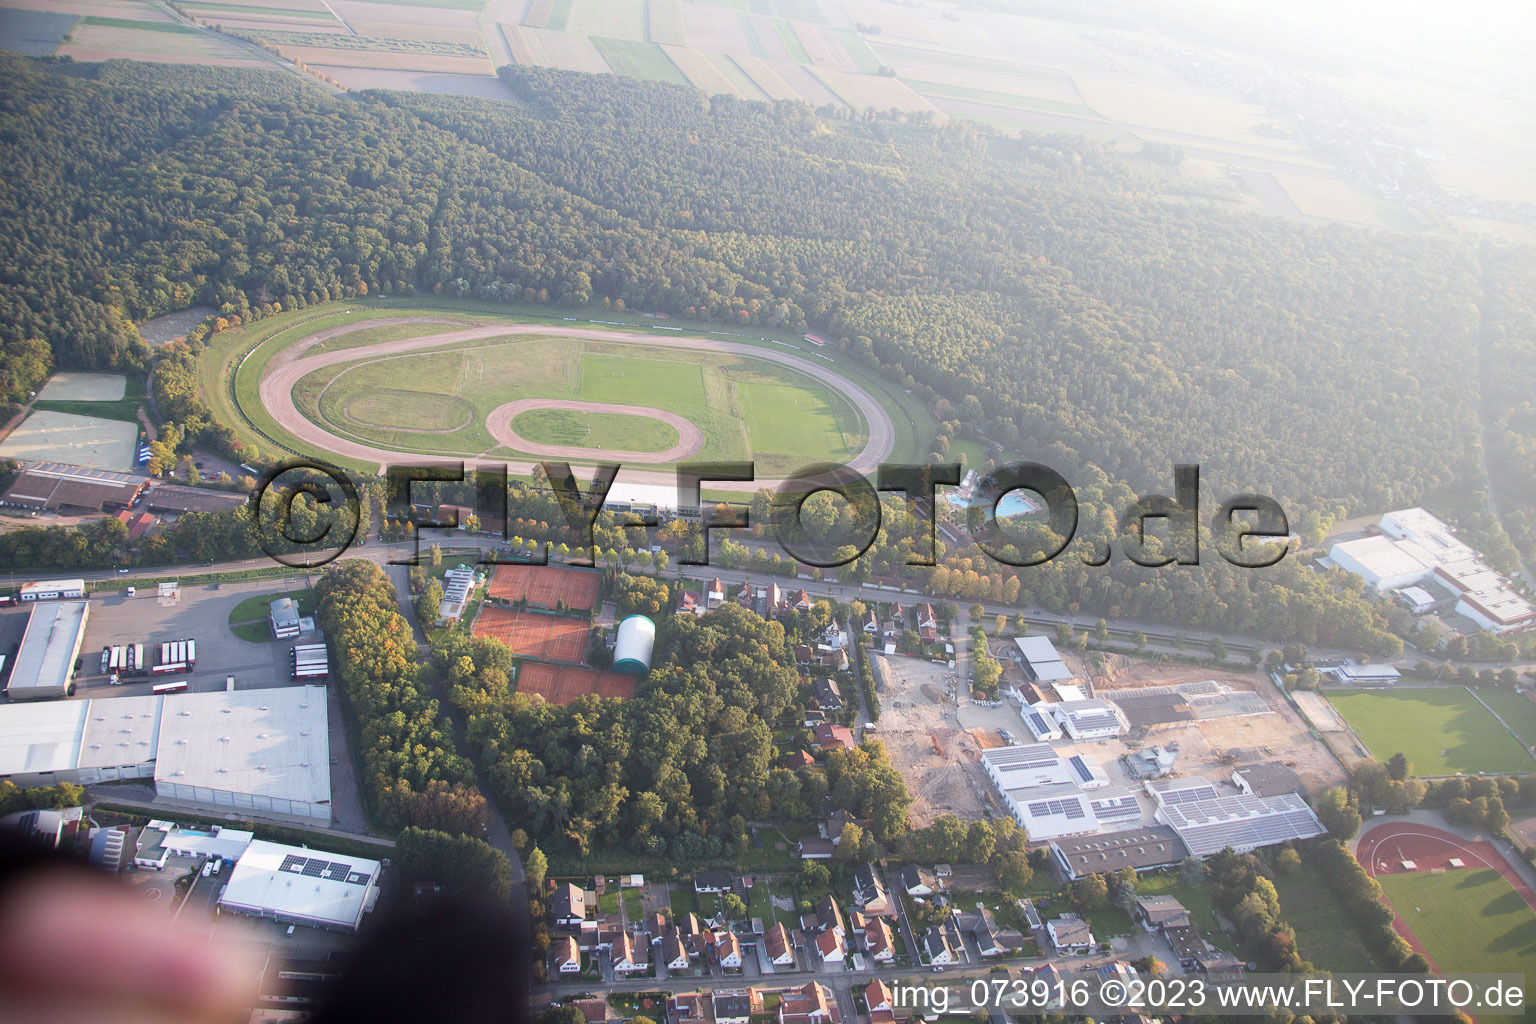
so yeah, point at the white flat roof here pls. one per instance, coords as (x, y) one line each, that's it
(120, 731)
(296, 882)
(47, 654)
(1382, 556)
(228, 843)
(1036, 649)
(270, 742)
(41, 737)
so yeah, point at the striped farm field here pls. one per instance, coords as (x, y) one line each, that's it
(820, 50)
(766, 79)
(703, 73)
(537, 14)
(861, 91)
(666, 22)
(559, 15)
(392, 60)
(739, 79)
(753, 39)
(863, 57)
(639, 60)
(792, 44)
(566, 50)
(518, 45)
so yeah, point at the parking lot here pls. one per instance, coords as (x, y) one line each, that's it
(201, 614)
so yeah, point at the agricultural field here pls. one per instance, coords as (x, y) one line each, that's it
(1442, 730)
(33, 33)
(1468, 920)
(639, 60)
(1326, 198)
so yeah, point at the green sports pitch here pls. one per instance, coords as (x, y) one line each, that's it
(1469, 920)
(1443, 730)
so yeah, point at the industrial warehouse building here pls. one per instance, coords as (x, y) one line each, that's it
(1040, 660)
(45, 661)
(1416, 548)
(58, 487)
(264, 750)
(1052, 796)
(297, 885)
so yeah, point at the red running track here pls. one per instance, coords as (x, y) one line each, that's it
(1382, 850)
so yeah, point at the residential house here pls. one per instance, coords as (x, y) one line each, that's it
(877, 996)
(812, 1004)
(829, 696)
(872, 623)
(674, 952)
(728, 949)
(568, 906)
(804, 656)
(815, 848)
(776, 944)
(799, 759)
(829, 945)
(927, 624)
(732, 1005)
(1070, 934)
(1219, 966)
(744, 594)
(879, 941)
(917, 882)
(567, 955)
(802, 602)
(1156, 912)
(1186, 943)
(712, 881)
(596, 1011)
(870, 894)
(629, 956)
(991, 938)
(833, 737)
(686, 1007)
(936, 945)
(688, 604)
(774, 599)
(714, 597)
(836, 822)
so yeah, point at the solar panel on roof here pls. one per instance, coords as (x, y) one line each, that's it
(293, 862)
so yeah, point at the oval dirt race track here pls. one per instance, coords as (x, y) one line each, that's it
(290, 366)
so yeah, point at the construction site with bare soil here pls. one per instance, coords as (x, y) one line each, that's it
(1214, 721)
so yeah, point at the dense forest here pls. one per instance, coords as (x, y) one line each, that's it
(1041, 290)
(678, 771)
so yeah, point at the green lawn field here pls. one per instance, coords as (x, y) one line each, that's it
(1517, 710)
(1327, 936)
(595, 430)
(1468, 920)
(639, 60)
(1442, 730)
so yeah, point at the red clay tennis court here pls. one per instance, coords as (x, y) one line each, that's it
(561, 684)
(533, 635)
(545, 586)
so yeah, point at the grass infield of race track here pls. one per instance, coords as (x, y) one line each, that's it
(240, 357)
(1469, 920)
(1441, 730)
